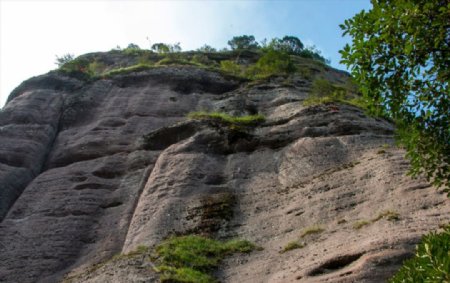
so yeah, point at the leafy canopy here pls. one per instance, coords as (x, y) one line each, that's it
(243, 42)
(166, 48)
(288, 44)
(207, 49)
(400, 56)
(431, 262)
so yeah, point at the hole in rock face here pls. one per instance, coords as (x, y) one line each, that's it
(335, 264)
(185, 88)
(105, 174)
(77, 179)
(252, 109)
(215, 180)
(111, 204)
(94, 186)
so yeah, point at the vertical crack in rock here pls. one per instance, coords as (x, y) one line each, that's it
(145, 177)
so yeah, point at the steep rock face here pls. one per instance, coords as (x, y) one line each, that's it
(29, 125)
(94, 169)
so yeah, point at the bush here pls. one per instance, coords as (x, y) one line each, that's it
(201, 59)
(323, 91)
(190, 258)
(96, 68)
(132, 49)
(78, 68)
(231, 67)
(431, 262)
(273, 62)
(66, 58)
(312, 53)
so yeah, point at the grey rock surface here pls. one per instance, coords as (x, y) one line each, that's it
(99, 168)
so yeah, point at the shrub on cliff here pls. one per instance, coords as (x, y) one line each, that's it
(231, 67)
(191, 258)
(323, 91)
(66, 58)
(312, 53)
(431, 262)
(78, 67)
(273, 62)
(132, 49)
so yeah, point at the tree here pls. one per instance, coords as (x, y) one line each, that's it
(166, 48)
(133, 46)
(288, 44)
(313, 53)
(60, 61)
(175, 47)
(243, 42)
(161, 48)
(400, 56)
(207, 48)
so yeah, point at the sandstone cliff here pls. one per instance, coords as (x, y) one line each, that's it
(90, 169)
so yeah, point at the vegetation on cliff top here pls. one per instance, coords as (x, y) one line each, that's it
(247, 58)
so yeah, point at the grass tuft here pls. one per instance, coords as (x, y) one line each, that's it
(389, 215)
(249, 120)
(126, 70)
(359, 224)
(292, 246)
(183, 274)
(312, 230)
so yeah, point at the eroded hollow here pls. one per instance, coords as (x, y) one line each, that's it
(111, 204)
(105, 174)
(335, 264)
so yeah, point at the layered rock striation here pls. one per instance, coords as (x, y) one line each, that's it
(92, 169)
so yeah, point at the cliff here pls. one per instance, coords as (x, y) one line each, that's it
(94, 168)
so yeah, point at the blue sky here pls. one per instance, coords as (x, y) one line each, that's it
(33, 32)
